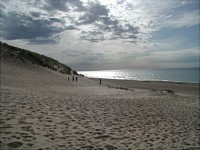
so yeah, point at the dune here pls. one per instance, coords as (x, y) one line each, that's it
(42, 110)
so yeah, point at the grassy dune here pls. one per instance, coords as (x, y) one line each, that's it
(10, 52)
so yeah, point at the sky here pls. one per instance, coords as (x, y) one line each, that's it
(106, 34)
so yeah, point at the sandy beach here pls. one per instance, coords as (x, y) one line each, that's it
(42, 110)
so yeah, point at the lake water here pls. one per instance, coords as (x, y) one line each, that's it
(190, 75)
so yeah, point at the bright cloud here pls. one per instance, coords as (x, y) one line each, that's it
(187, 19)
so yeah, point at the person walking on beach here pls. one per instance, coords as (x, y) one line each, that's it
(73, 78)
(76, 79)
(68, 78)
(100, 81)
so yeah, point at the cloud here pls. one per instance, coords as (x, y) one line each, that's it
(173, 56)
(35, 14)
(77, 4)
(20, 26)
(130, 21)
(126, 32)
(98, 25)
(79, 58)
(2, 6)
(63, 5)
(93, 13)
(75, 53)
(186, 19)
(93, 36)
(95, 20)
(52, 5)
(94, 17)
(42, 41)
(179, 58)
(83, 54)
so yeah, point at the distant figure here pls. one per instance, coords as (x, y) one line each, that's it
(100, 81)
(68, 78)
(76, 79)
(73, 78)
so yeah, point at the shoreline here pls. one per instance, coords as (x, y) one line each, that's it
(182, 87)
(185, 75)
(166, 81)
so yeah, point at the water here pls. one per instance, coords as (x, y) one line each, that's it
(190, 75)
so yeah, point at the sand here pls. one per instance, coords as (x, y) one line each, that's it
(42, 110)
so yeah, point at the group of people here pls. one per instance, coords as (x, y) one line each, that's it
(74, 78)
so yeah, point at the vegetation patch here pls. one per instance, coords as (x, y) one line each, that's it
(23, 55)
(168, 91)
(15, 144)
(118, 87)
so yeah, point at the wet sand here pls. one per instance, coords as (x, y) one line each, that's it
(42, 110)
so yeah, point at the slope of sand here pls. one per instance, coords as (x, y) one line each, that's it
(42, 110)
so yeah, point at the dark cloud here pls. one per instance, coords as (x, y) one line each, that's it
(35, 14)
(126, 32)
(63, 5)
(2, 6)
(93, 13)
(60, 5)
(20, 26)
(94, 39)
(108, 21)
(43, 26)
(114, 29)
(77, 4)
(98, 15)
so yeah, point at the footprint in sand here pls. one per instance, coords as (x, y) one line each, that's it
(110, 147)
(15, 144)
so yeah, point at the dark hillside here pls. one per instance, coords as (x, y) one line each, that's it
(11, 52)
